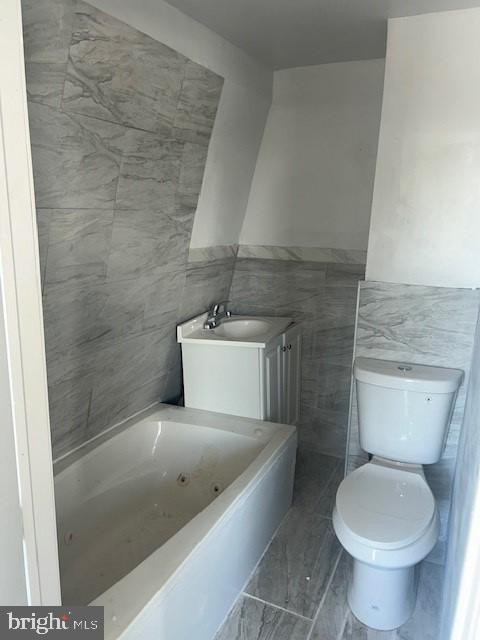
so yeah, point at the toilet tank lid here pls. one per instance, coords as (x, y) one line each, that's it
(407, 376)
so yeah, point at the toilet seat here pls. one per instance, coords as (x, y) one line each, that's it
(384, 507)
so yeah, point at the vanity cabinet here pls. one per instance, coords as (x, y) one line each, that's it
(281, 377)
(252, 379)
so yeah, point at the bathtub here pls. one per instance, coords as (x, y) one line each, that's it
(162, 520)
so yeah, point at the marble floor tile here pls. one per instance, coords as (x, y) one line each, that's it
(332, 615)
(197, 104)
(76, 160)
(251, 619)
(425, 622)
(149, 172)
(335, 621)
(295, 570)
(119, 74)
(355, 630)
(78, 246)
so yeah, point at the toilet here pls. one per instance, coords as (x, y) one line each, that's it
(385, 514)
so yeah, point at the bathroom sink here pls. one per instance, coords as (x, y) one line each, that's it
(237, 329)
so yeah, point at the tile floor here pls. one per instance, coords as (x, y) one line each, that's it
(298, 591)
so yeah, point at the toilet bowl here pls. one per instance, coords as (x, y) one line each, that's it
(385, 514)
(386, 518)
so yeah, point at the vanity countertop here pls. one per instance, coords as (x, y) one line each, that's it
(239, 331)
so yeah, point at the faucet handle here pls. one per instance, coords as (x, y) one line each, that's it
(218, 305)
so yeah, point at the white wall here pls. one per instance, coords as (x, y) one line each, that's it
(425, 226)
(241, 115)
(314, 177)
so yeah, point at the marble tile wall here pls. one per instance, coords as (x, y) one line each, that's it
(322, 296)
(312, 254)
(425, 325)
(120, 126)
(466, 485)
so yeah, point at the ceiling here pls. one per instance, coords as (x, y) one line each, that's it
(293, 33)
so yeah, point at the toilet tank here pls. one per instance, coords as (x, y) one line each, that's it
(404, 410)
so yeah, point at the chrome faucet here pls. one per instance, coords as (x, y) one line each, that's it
(216, 315)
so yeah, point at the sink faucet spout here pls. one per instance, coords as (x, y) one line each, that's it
(217, 312)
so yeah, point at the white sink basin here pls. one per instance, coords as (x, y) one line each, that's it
(237, 329)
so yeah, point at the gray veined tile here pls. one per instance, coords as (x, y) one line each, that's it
(76, 160)
(316, 480)
(190, 180)
(43, 230)
(345, 275)
(205, 283)
(78, 247)
(73, 316)
(162, 298)
(130, 374)
(94, 314)
(325, 385)
(254, 620)
(45, 82)
(295, 570)
(119, 74)
(355, 630)
(280, 287)
(332, 615)
(198, 103)
(322, 430)
(143, 241)
(425, 622)
(69, 401)
(334, 344)
(47, 29)
(149, 173)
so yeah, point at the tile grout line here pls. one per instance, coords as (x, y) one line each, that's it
(277, 606)
(344, 624)
(324, 597)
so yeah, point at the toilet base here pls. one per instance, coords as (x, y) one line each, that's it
(382, 598)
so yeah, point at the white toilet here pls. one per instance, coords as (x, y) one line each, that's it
(385, 514)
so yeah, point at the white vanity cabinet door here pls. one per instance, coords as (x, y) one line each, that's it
(291, 374)
(273, 400)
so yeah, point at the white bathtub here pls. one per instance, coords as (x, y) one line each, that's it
(162, 520)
